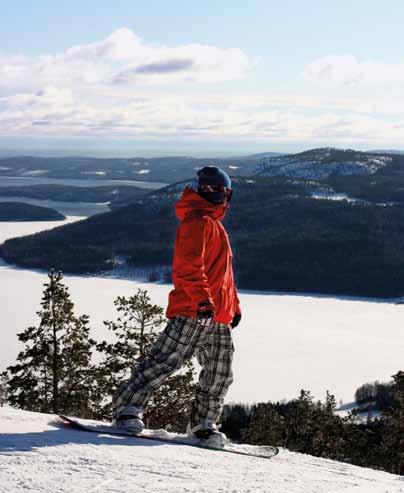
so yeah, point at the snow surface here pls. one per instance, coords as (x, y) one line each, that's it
(38, 455)
(98, 173)
(10, 229)
(284, 343)
(36, 172)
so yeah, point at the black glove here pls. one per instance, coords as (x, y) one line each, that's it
(236, 320)
(205, 312)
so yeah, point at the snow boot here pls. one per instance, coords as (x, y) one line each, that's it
(130, 419)
(206, 431)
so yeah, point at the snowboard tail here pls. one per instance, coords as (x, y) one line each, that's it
(264, 452)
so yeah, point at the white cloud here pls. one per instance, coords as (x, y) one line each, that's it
(122, 87)
(348, 70)
(48, 97)
(57, 112)
(125, 59)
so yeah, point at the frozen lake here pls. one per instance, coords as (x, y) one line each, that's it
(68, 208)
(284, 343)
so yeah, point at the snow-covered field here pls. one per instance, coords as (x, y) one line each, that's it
(284, 343)
(36, 455)
(13, 229)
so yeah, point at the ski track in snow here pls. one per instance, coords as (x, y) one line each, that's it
(36, 455)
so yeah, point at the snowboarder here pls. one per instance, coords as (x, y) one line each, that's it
(203, 308)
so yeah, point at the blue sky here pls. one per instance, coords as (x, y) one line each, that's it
(228, 76)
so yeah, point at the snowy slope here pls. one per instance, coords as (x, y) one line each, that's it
(38, 456)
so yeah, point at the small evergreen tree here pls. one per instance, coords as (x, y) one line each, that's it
(267, 426)
(236, 419)
(328, 431)
(393, 433)
(77, 391)
(384, 395)
(169, 406)
(53, 372)
(301, 421)
(366, 393)
(136, 329)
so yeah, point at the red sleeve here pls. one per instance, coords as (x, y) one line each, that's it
(189, 264)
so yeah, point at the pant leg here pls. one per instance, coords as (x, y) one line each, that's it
(175, 345)
(215, 356)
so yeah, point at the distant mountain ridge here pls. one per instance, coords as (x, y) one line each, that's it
(165, 169)
(387, 151)
(312, 164)
(321, 163)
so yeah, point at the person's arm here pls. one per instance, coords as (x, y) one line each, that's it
(189, 265)
(237, 316)
(238, 307)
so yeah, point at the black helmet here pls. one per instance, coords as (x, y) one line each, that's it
(214, 185)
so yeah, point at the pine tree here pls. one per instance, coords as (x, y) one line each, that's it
(136, 329)
(393, 432)
(300, 422)
(328, 430)
(236, 419)
(77, 392)
(53, 371)
(267, 426)
(170, 406)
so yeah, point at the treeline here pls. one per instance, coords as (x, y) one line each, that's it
(19, 211)
(374, 188)
(376, 396)
(312, 427)
(63, 370)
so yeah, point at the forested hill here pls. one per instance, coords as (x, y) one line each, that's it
(283, 239)
(19, 211)
(325, 162)
(311, 164)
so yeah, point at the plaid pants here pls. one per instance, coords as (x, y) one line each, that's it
(180, 340)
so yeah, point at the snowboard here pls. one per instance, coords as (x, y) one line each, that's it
(263, 452)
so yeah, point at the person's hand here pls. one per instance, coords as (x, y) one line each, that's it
(205, 313)
(236, 320)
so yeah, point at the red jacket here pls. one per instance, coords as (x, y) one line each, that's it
(202, 265)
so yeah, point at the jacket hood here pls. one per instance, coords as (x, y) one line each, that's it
(191, 201)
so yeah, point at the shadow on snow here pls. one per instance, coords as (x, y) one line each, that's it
(29, 442)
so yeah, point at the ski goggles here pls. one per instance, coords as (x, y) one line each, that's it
(228, 192)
